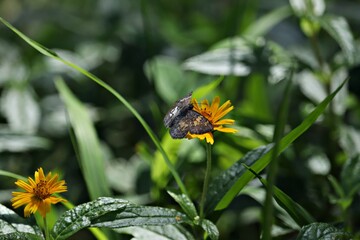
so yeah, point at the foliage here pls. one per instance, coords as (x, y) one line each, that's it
(289, 68)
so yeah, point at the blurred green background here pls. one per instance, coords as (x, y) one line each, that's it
(146, 50)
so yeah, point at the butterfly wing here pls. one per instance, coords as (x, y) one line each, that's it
(190, 121)
(181, 106)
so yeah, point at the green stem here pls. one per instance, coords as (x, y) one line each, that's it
(47, 236)
(206, 180)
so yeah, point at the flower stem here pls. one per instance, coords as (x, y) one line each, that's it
(206, 180)
(47, 236)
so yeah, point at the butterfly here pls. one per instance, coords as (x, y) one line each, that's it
(182, 119)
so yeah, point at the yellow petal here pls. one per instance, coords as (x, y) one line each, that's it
(215, 104)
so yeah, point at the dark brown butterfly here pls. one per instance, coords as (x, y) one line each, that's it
(182, 119)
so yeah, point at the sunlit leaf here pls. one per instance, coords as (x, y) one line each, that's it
(18, 104)
(314, 7)
(13, 226)
(220, 62)
(185, 203)
(159, 170)
(322, 231)
(19, 143)
(311, 86)
(113, 213)
(166, 232)
(207, 88)
(339, 104)
(339, 29)
(210, 228)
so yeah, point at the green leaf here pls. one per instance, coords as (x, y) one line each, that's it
(221, 61)
(266, 22)
(91, 158)
(225, 187)
(339, 29)
(308, 7)
(159, 169)
(185, 203)
(322, 231)
(210, 228)
(295, 210)
(207, 88)
(22, 142)
(18, 103)
(12, 226)
(170, 81)
(113, 213)
(147, 128)
(256, 98)
(166, 232)
(224, 182)
(350, 176)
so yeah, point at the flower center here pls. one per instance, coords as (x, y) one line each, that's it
(41, 190)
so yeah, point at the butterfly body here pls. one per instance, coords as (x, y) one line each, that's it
(182, 119)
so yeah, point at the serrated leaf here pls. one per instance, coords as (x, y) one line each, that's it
(185, 203)
(135, 215)
(210, 228)
(322, 231)
(166, 232)
(91, 158)
(19, 235)
(83, 215)
(225, 187)
(339, 29)
(13, 226)
(113, 213)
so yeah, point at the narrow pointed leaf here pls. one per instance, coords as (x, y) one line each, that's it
(224, 188)
(225, 181)
(166, 232)
(91, 159)
(322, 231)
(296, 211)
(112, 213)
(12, 226)
(185, 203)
(111, 90)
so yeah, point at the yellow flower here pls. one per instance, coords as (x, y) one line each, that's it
(213, 113)
(38, 193)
